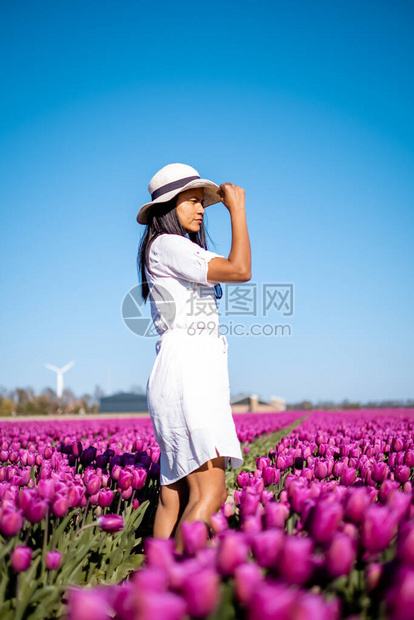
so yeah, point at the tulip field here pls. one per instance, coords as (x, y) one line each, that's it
(318, 525)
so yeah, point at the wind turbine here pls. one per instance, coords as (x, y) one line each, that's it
(60, 372)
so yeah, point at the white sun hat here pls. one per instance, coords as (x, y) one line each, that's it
(172, 180)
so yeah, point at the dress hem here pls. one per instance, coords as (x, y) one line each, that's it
(238, 462)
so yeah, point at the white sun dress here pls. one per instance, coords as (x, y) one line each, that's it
(188, 391)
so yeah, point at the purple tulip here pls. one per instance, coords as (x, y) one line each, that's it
(159, 552)
(111, 523)
(275, 515)
(341, 555)
(93, 485)
(373, 573)
(218, 522)
(194, 536)
(60, 506)
(246, 578)
(46, 488)
(249, 504)
(77, 448)
(380, 471)
(53, 560)
(201, 592)
(309, 606)
(400, 597)
(84, 604)
(105, 498)
(356, 504)
(321, 470)
(271, 601)
(227, 509)
(11, 522)
(325, 519)
(398, 444)
(386, 488)
(405, 543)
(402, 473)
(378, 528)
(252, 524)
(125, 479)
(153, 579)
(139, 476)
(233, 550)
(348, 476)
(269, 475)
(35, 511)
(21, 558)
(295, 563)
(409, 458)
(163, 606)
(267, 547)
(399, 503)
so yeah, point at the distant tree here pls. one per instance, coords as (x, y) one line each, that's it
(98, 394)
(67, 397)
(136, 389)
(7, 407)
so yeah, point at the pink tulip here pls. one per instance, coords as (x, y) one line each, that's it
(11, 522)
(232, 551)
(125, 479)
(246, 578)
(321, 470)
(405, 543)
(400, 597)
(111, 523)
(227, 509)
(35, 511)
(341, 555)
(84, 604)
(163, 606)
(356, 504)
(218, 522)
(201, 592)
(105, 498)
(267, 547)
(373, 573)
(295, 562)
(309, 606)
(46, 488)
(53, 560)
(21, 558)
(325, 519)
(60, 506)
(271, 601)
(139, 476)
(378, 528)
(275, 515)
(159, 552)
(194, 536)
(93, 485)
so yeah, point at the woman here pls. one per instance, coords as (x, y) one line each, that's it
(188, 391)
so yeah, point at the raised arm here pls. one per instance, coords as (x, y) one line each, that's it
(237, 267)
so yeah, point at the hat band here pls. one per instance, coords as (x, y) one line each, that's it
(171, 186)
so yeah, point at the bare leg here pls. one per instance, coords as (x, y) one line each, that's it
(207, 486)
(172, 500)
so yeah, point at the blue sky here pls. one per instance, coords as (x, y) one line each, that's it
(308, 106)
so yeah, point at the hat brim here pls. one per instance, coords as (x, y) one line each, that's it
(211, 197)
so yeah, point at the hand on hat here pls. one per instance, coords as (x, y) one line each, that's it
(232, 196)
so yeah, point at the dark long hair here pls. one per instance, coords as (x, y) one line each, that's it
(163, 218)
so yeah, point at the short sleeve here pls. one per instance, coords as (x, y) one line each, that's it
(180, 257)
